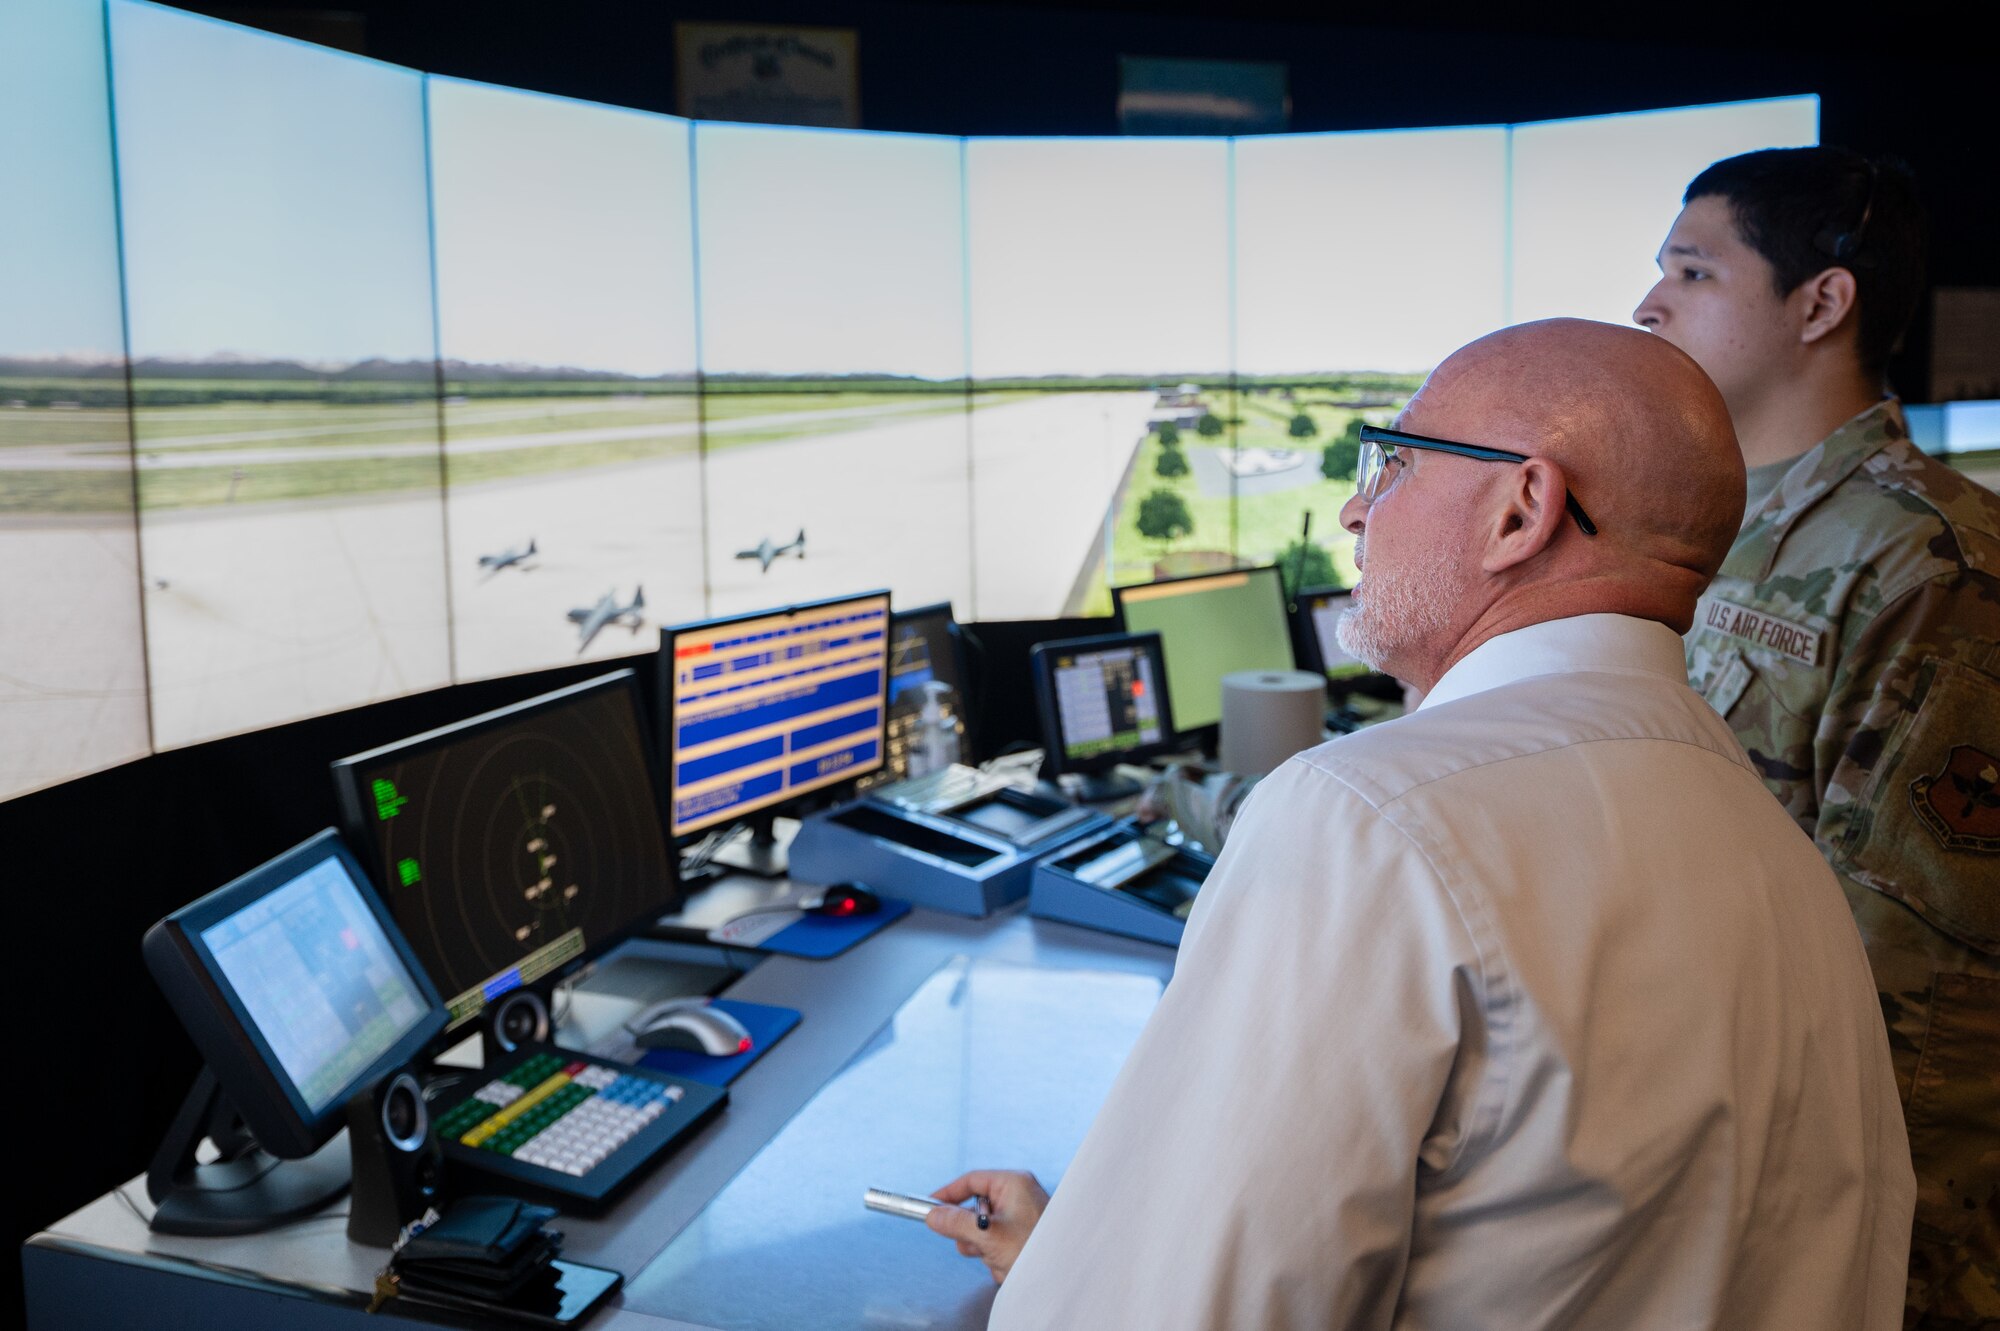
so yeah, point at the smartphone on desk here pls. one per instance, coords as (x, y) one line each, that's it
(569, 1300)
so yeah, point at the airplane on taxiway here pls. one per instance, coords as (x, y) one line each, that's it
(592, 620)
(511, 557)
(765, 552)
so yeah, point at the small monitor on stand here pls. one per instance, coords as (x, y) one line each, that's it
(1103, 701)
(517, 845)
(768, 712)
(1358, 695)
(1320, 609)
(300, 993)
(1210, 625)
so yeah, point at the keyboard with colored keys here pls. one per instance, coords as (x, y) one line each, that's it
(569, 1128)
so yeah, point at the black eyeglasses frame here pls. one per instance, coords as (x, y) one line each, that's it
(1376, 434)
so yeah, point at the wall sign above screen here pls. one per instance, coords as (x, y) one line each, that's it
(1010, 372)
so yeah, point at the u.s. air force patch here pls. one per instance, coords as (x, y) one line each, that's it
(1784, 636)
(1961, 804)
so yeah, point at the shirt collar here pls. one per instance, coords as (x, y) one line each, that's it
(1595, 644)
(1817, 470)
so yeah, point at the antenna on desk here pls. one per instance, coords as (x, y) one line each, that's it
(1299, 565)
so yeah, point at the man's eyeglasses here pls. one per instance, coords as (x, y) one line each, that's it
(1378, 450)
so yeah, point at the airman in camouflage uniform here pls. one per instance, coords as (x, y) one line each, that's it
(1852, 641)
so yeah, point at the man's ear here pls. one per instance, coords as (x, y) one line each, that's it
(1826, 302)
(1530, 514)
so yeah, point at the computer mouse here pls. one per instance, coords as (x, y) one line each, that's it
(695, 1027)
(842, 900)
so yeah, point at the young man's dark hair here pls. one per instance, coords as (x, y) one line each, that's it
(1809, 209)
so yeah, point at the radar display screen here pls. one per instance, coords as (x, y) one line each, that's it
(519, 843)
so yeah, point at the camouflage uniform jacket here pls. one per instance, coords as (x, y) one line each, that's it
(1852, 640)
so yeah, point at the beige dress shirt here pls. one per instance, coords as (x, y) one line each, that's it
(1531, 1009)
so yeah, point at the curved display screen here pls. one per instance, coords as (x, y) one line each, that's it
(433, 381)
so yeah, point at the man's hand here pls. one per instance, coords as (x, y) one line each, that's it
(1017, 1202)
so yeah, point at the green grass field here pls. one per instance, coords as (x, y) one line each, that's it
(62, 427)
(1255, 528)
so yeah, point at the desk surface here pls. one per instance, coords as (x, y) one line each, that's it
(846, 1001)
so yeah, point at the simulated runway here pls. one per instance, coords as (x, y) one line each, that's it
(259, 614)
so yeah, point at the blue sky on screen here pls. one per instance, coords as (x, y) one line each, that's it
(1595, 197)
(273, 194)
(829, 251)
(564, 234)
(1098, 256)
(1368, 251)
(59, 256)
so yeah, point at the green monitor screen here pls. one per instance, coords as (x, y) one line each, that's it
(1210, 625)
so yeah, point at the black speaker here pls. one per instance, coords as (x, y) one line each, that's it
(521, 1017)
(398, 1164)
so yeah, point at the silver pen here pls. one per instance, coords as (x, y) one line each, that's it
(896, 1203)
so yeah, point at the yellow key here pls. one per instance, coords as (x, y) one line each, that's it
(488, 1127)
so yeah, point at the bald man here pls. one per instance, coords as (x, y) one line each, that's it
(1532, 1008)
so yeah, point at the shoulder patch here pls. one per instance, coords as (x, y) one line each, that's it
(1960, 805)
(1800, 642)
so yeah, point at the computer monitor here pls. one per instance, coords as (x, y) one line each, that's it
(299, 992)
(930, 724)
(1210, 625)
(761, 710)
(514, 846)
(1320, 609)
(1103, 701)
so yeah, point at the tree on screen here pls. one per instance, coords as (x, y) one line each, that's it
(1306, 564)
(1339, 458)
(1170, 435)
(1209, 426)
(1164, 517)
(1171, 465)
(1303, 426)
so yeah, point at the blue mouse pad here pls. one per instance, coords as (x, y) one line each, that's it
(814, 937)
(767, 1025)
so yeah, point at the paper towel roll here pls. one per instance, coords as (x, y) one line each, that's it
(1269, 715)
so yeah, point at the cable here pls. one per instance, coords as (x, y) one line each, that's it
(565, 992)
(132, 1206)
(705, 850)
(147, 1220)
(780, 908)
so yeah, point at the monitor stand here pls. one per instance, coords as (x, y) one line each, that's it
(767, 854)
(1102, 787)
(245, 1191)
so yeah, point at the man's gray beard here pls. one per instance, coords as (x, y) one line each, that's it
(1396, 611)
